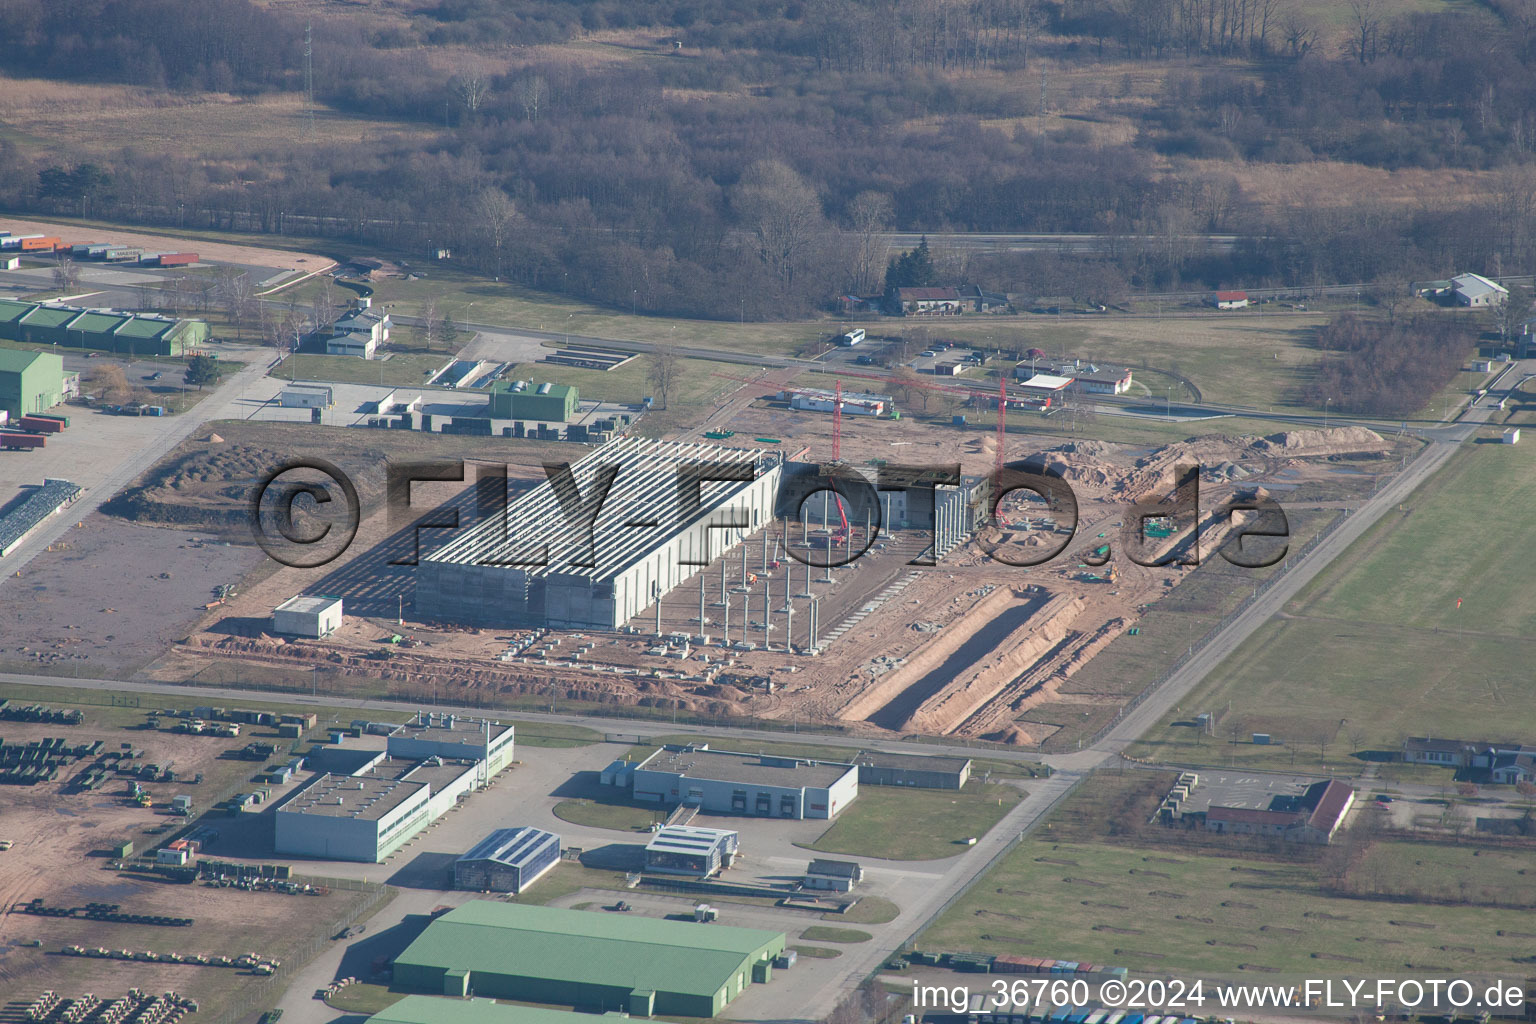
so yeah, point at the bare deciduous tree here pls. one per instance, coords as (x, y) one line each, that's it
(783, 214)
(471, 88)
(65, 273)
(662, 367)
(430, 323)
(237, 292)
(531, 90)
(495, 211)
(869, 217)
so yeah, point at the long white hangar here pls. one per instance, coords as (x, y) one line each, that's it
(524, 567)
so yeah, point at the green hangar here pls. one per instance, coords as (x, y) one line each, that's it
(427, 1010)
(641, 966)
(123, 333)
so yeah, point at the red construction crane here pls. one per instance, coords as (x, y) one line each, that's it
(837, 429)
(1000, 396)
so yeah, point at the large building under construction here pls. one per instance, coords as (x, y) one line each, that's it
(536, 564)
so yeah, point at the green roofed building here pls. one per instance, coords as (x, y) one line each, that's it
(30, 381)
(549, 403)
(638, 965)
(125, 333)
(432, 1010)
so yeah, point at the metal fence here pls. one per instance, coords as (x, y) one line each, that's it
(262, 996)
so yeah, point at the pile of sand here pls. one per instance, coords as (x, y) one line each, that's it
(1338, 439)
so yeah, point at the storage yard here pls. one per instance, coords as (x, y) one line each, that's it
(77, 923)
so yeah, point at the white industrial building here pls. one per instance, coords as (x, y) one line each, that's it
(381, 801)
(691, 850)
(507, 860)
(722, 782)
(525, 566)
(855, 403)
(453, 738)
(313, 617)
(307, 396)
(1476, 291)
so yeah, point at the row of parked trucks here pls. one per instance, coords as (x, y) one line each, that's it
(31, 431)
(104, 251)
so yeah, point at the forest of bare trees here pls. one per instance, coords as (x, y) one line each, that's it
(619, 183)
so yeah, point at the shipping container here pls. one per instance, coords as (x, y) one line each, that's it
(122, 254)
(177, 259)
(22, 442)
(46, 243)
(15, 241)
(41, 425)
(63, 421)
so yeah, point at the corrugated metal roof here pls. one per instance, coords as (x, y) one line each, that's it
(588, 948)
(511, 846)
(431, 1010)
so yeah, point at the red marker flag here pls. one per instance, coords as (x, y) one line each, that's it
(1458, 602)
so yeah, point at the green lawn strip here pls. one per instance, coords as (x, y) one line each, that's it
(364, 998)
(405, 369)
(921, 824)
(821, 933)
(1187, 912)
(619, 817)
(869, 910)
(818, 952)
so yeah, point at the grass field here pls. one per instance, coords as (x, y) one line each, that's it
(1184, 912)
(1376, 648)
(93, 118)
(924, 824)
(403, 368)
(869, 910)
(821, 933)
(617, 816)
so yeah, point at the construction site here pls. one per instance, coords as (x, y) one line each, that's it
(885, 630)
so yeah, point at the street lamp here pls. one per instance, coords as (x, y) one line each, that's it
(1326, 403)
(1169, 412)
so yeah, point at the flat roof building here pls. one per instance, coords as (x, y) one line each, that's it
(372, 812)
(690, 850)
(507, 860)
(877, 768)
(314, 617)
(528, 566)
(639, 965)
(723, 782)
(453, 737)
(546, 403)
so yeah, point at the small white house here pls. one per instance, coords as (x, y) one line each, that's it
(359, 344)
(307, 396)
(1230, 300)
(314, 617)
(1476, 291)
(10, 262)
(1512, 435)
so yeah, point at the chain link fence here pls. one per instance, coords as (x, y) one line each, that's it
(264, 995)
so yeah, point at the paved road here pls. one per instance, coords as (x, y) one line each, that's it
(220, 404)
